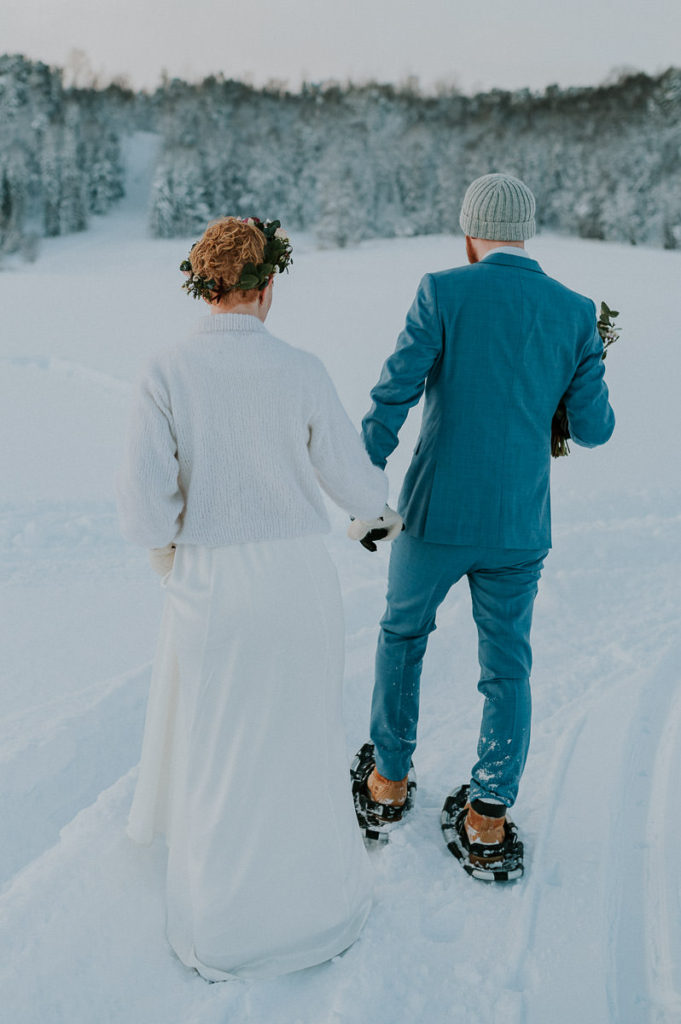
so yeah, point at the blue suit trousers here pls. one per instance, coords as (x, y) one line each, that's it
(503, 584)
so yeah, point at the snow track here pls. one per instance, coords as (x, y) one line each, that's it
(645, 851)
(86, 738)
(593, 932)
(662, 882)
(69, 368)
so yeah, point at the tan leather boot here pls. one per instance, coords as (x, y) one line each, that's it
(387, 791)
(481, 829)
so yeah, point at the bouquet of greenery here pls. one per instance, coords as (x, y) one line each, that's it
(560, 431)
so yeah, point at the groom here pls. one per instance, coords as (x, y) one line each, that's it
(496, 345)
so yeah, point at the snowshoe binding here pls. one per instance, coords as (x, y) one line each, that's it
(376, 819)
(498, 862)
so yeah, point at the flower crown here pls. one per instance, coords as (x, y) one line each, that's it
(276, 259)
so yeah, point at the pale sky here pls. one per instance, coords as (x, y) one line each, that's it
(477, 45)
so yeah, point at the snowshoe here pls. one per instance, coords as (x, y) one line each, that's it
(375, 819)
(499, 862)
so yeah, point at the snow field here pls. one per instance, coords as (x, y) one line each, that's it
(593, 932)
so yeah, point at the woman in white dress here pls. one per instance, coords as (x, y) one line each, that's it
(244, 766)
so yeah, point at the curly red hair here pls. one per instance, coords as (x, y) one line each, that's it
(221, 254)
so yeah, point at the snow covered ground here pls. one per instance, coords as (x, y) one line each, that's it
(593, 932)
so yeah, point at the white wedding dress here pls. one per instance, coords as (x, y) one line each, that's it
(244, 767)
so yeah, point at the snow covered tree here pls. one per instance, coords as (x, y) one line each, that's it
(60, 152)
(179, 204)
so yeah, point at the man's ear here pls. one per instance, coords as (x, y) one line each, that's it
(470, 250)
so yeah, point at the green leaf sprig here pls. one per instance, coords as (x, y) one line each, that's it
(606, 327)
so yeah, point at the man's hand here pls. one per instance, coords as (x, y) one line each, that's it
(367, 531)
(161, 559)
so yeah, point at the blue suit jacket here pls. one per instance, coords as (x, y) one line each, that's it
(496, 345)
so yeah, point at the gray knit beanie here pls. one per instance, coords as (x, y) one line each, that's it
(498, 207)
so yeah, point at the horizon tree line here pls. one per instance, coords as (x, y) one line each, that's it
(346, 162)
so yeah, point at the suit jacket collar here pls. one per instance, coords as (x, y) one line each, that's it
(506, 260)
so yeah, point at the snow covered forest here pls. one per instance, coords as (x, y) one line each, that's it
(346, 162)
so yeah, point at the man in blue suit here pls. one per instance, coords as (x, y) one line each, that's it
(496, 345)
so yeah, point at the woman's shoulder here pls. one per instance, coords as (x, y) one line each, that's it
(152, 367)
(183, 358)
(301, 358)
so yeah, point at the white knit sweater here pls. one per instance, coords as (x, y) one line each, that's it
(231, 433)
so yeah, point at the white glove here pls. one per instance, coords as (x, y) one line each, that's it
(161, 559)
(386, 527)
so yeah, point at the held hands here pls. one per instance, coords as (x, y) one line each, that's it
(386, 527)
(161, 559)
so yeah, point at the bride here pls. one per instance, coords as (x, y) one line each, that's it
(243, 764)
